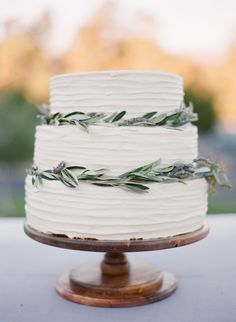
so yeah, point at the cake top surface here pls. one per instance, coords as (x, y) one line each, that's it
(116, 73)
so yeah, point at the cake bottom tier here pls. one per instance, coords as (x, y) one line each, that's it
(111, 213)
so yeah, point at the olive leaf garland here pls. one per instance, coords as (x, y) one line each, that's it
(136, 179)
(172, 119)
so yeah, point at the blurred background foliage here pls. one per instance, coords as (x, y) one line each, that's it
(17, 124)
(26, 65)
(203, 106)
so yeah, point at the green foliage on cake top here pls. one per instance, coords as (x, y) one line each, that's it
(136, 179)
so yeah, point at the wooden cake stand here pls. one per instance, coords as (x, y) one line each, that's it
(115, 282)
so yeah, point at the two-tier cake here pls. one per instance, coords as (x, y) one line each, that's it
(134, 125)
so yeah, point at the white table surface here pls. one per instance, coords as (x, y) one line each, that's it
(206, 273)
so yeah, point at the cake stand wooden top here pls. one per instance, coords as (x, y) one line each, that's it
(117, 246)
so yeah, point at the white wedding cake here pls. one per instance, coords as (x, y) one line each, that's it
(119, 207)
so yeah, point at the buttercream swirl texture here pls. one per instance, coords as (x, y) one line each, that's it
(114, 214)
(112, 91)
(118, 149)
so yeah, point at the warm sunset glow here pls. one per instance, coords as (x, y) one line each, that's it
(26, 63)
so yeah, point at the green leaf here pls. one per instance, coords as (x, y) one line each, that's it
(76, 167)
(159, 118)
(166, 169)
(118, 116)
(149, 115)
(63, 122)
(202, 170)
(67, 173)
(136, 187)
(74, 122)
(103, 184)
(109, 118)
(67, 182)
(144, 168)
(91, 177)
(172, 180)
(37, 180)
(139, 177)
(81, 117)
(56, 116)
(95, 118)
(73, 114)
(48, 176)
(150, 166)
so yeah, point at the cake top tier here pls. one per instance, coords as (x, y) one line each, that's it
(136, 92)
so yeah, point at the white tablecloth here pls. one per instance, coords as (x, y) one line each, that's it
(206, 273)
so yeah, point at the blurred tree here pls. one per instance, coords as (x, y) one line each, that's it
(17, 125)
(203, 105)
(24, 60)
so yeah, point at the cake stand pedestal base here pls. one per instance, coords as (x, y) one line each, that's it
(116, 283)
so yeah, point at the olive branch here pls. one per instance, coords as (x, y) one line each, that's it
(172, 119)
(136, 179)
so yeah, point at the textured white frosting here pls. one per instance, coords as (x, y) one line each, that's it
(112, 91)
(110, 213)
(118, 149)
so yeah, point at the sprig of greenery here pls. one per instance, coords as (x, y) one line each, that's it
(172, 119)
(215, 174)
(136, 179)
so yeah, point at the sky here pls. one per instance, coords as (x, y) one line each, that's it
(204, 28)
